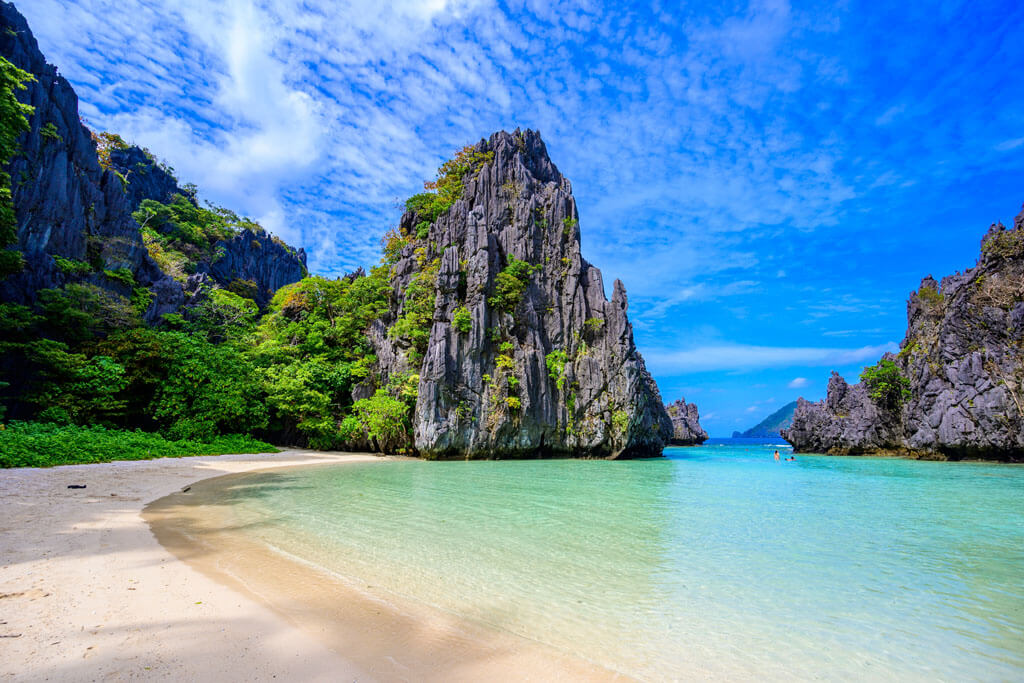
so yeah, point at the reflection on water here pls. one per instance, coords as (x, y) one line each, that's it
(715, 559)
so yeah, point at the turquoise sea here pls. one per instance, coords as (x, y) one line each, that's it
(715, 561)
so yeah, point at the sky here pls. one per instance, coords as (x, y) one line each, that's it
(770, 180)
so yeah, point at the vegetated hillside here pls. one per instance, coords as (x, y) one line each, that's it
(772, 425)
(73, 197)
(686, 429)
(956, 388)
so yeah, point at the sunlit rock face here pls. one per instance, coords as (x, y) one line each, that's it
(686, 429)
(553, 372)
(963, 360)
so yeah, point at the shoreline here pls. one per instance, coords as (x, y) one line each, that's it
(88, 592)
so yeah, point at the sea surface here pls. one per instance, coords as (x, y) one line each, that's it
(715, 561)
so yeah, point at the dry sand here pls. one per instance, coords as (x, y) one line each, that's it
(87, 593)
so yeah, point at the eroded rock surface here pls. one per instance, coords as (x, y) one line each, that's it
(69, 207)
(686, 429)
(556, 372)
(65, 204)
(963, 356)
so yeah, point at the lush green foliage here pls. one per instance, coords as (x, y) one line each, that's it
(556, 361)
(178, 235)
(620, 422)
(13, 122)
(442, 192)
(385, 419)
(510, 284)
(462, 320)
(29, 444)
(886, 384)
(71, 266)
(418, 310)
(80, 362)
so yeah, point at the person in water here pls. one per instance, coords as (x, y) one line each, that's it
(776, 456)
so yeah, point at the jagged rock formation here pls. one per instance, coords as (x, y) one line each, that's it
(963, 359)
(772, 425)
(65, 204)
(549, 371)
(258, 259)
(145, 178)
(686, 429)
(69, 207)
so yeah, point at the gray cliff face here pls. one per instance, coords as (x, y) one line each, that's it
(68, 206)
(145, 177)
(964, 358)
(686, 429)
(489, 392)
(65, 204)
(260, 259)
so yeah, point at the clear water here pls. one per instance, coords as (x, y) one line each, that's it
(715, 561)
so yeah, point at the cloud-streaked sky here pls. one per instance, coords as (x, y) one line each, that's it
(770, 180)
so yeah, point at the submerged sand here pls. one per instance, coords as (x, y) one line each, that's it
(87, 592)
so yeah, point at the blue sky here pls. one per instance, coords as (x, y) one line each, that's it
(769, 180)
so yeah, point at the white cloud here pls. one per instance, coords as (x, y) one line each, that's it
(797, 383)
(741, 357)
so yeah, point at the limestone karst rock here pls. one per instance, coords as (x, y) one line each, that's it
(65, 204)
(686, 429)
(525, 356)
(68, 206)
(963, 360)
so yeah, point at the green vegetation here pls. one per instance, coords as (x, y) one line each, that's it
(179, 235)
(71, 266)
(50, 134)
(29, 444)
(81, 369)
(462, 320)
(886, 384)
(510, 284)
(13, 122)
(620, 422)
(385, 419)
(594, 325)
(931, 297)
(418, 310)
(556, 361)
(442, 192)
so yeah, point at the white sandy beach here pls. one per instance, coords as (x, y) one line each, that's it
(87, 593)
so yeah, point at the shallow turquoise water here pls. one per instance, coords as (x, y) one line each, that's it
(715, 561)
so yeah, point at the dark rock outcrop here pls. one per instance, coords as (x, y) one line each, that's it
(260, 261)
(552, 373)
(65, 204)
(145, 178)
(686, 429)
(963, 359)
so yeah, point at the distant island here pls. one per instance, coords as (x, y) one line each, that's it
(771, 426)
